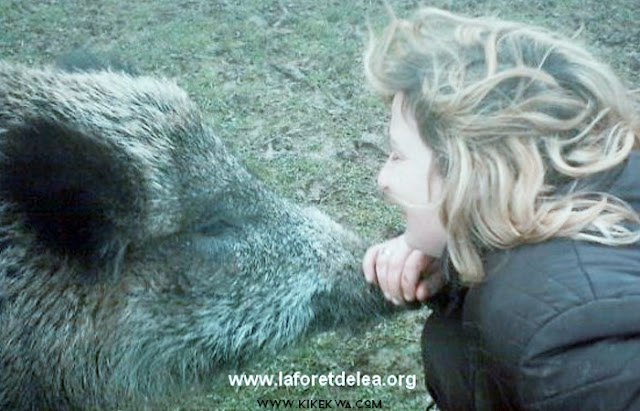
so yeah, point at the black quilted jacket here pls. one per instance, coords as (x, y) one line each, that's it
(556, 325)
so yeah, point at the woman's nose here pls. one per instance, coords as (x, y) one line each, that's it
(383, 178)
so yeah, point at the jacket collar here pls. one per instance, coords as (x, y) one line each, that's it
(627, 185)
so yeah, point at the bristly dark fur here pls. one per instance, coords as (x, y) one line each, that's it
(67, 187)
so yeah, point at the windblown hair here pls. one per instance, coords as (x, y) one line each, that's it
(517, 118)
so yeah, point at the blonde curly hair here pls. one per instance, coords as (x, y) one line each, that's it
(517, 117)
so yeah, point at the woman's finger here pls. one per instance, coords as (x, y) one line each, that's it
(414, 265)
(430, 286)
(369, 264)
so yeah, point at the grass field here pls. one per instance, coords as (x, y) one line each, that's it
(282, 83)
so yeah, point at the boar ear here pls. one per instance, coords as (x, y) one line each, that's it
(77, 194)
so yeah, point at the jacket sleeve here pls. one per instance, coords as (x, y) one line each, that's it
(585, 358)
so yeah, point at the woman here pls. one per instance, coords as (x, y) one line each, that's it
(514, 158)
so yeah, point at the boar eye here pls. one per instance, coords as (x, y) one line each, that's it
(214, 228)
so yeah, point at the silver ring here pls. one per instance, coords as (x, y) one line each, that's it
(384, 252)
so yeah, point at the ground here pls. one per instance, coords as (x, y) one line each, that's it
(282, 83)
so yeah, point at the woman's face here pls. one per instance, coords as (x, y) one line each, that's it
(410, 179)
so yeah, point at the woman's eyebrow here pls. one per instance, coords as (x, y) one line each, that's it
(390, 137)
(388, 141)
(391, 141)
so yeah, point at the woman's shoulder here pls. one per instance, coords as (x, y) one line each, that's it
(575, 270)
(547, 311)
(555, 289)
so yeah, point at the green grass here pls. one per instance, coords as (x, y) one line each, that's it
(282, 83)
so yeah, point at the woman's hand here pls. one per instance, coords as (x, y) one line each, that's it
(403, 274)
